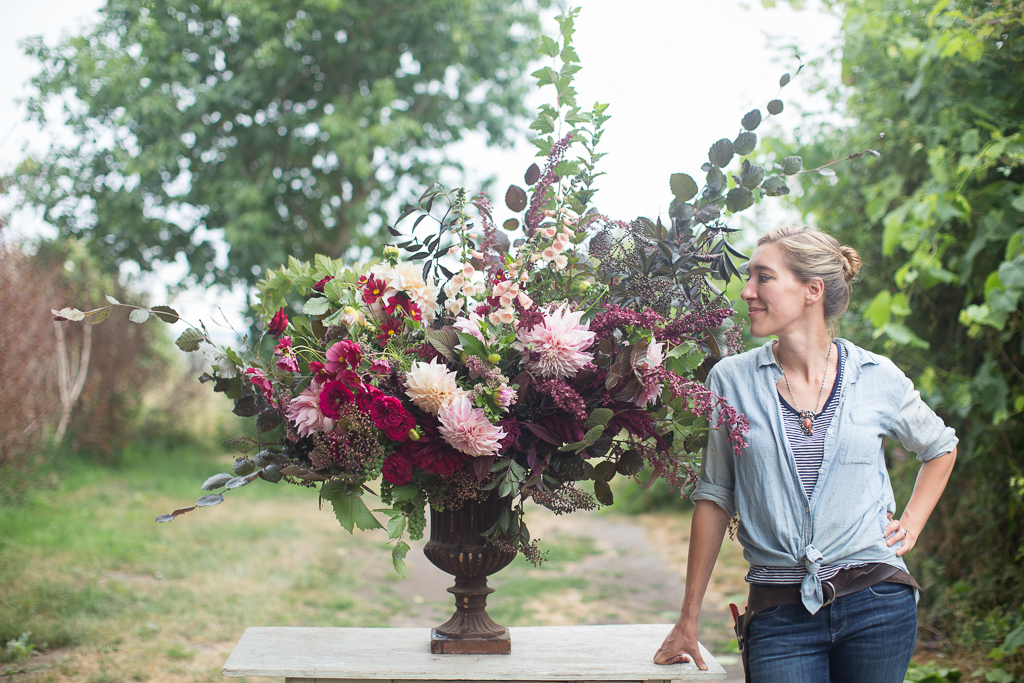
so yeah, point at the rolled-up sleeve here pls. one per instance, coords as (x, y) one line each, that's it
(916, 425)
(717, 478)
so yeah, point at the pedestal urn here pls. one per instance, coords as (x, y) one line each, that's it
(457, 547)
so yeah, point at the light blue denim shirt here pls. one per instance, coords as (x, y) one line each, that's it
(844, 519)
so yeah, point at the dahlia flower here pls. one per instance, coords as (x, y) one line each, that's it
(431, 386)
(304, 411)
(467, 429)
(555, 347)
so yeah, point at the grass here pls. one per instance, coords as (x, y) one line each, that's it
(109, 595)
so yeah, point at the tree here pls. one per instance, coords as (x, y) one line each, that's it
(284, 128)
(939, 221)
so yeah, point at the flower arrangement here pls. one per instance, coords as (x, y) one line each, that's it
(557, 348)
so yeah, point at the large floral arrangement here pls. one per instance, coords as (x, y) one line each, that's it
(558, 348)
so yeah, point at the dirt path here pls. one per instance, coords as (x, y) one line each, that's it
(631, 571)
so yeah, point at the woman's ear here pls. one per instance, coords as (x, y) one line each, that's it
(815, 291)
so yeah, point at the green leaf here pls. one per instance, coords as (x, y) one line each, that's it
(112, 300)
(684, 188)
(878, 312)
(791, 165)
(216, 481)
(604, 470)
(752, 119)
(751, 175)
(398, 554)
(209, 499)
(166, 313)
(139, 315)
(775, 186)
(721, 153)
(600, 416)
(396, 526)
(316, 306)
(401, 494)
(630, 463)
(545, 76)
(190, 339)
(472, 345)
(334, 290)
(351, 512)
(593, 434)
(744, 143)
(784, 80)
(603, 493)
(738, 199)
(775, 107)
(100, 317)
(901, 334)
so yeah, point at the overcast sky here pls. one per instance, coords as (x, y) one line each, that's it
(678, 74)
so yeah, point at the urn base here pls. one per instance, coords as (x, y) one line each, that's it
(493, 645)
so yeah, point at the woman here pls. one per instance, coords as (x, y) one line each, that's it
(830, 596)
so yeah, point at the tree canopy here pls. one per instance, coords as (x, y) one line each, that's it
(283, 128)
(939, 222)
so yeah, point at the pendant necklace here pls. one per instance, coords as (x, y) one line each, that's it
(807, 416)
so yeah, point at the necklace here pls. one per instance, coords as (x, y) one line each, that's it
(807, 422)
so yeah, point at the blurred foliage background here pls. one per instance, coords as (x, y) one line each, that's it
(231, 135)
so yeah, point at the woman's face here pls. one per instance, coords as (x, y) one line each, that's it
(775, 297)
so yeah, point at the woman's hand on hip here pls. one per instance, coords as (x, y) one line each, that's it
(896, 532)
(680, 646)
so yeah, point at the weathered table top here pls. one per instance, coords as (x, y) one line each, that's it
(539, 653)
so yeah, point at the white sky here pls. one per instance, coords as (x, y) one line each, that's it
(678, 74)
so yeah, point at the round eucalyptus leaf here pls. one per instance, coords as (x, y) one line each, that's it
(216, 481)
(745, 143)
(208, 500)
(515, 198)
(243, 466)
(775, 107)
(751, 120)
(511, 224)
(532, 174)
(271, 473)
(784, 80)
(705, 167)
(721, 153)
(791, 165)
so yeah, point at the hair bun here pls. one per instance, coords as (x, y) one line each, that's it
(851, 262)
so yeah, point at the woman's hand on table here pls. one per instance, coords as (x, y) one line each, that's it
(680, 646)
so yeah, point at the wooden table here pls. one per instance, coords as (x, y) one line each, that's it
(616, 653)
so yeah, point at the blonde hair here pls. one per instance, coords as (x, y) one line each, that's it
(811, 254)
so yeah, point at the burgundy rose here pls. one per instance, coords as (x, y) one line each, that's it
(278, 324)
(333, 396)
(397, 469)
(400, 431)
(319, 287)
(386, 412)
(367, 395)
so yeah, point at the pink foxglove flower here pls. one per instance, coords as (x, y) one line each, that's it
(556, 347)
(648, 394)
(304, 411)
(470, 325)
(467, 429)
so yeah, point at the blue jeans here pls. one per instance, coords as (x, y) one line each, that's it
(864, 637)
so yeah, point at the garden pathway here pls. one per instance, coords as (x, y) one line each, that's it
(625, 570)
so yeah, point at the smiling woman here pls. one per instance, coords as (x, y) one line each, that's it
(811, 489)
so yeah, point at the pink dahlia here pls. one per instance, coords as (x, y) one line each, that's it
(555, 347)
(467, 428)
(304, 411)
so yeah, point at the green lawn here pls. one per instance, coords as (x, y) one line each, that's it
(109, 595)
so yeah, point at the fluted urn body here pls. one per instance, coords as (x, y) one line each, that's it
(457, 547)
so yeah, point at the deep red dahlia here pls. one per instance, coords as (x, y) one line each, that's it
(432, 453)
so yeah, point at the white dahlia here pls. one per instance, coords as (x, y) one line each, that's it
(431, 386)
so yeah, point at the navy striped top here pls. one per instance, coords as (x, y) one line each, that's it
(808, 452)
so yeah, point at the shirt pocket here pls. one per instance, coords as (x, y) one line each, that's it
(861, 435)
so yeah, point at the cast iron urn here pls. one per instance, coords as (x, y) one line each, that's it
(457, 547)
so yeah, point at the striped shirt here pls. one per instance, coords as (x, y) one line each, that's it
(808, 452)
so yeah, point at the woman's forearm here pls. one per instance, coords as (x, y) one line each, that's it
(931, 481)
(707, 529)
